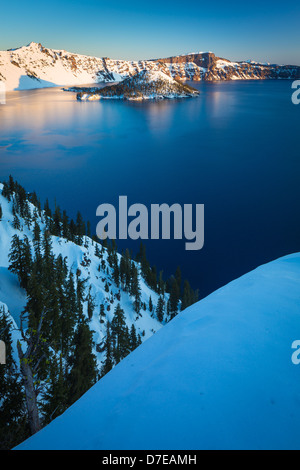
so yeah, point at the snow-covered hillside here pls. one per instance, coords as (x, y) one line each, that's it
(145, 85)
(83, 260)
(218, 376)
(35, 66)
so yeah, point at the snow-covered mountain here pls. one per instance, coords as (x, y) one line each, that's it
(82, 260)
(208, 67)
(218, 376)
(145, 85)
(35, 66)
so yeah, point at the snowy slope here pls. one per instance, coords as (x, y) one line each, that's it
(81, 258)
(218, 376)
(35, 66)
(145, 85)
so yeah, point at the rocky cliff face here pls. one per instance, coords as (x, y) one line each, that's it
(207, 66)
(35, 66)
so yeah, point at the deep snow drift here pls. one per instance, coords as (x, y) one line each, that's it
(218, 376)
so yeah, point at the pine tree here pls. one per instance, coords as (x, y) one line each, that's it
(116, 270)
(56, 226)
(55, 397)
(161, 288)
(174, 299)
(135, 290)
(37, 233)
(69, 314)
(13, 427)
(134, 339)
(83, 373)
(20, 259)
(97, 251)
(65, 226)
(6, 192)
(47, 210)
(120, 335)
(16, 223)
(102, 313)
(187, 297)
(160, 309)
(90, 304)
(80, 229)
(108, 363)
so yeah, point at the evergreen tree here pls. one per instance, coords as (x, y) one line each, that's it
(116, 270)
(20, 259)
(161, 288)
(174, 299)
(108, 363)
(47, 210)
(90, 304)
(66, 233)
(83, 373)
(187, 297)
(80, 229)
(13, 427)
(102, 313)
(16, 223)
(160, 309)
(134, 339)
(6, 192)
(56, 226)
(69, 314)
(135, 290)
(55, 397)
(97, 251)
(120, 335)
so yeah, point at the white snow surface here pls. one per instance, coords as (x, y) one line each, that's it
(218, 376)
(35, 66)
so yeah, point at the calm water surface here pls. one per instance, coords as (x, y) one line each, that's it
(235, 149)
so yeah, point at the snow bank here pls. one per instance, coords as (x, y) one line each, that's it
(218, 376)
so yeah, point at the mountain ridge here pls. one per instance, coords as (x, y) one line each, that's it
(35, 66)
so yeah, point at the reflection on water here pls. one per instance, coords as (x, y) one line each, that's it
(234, 149)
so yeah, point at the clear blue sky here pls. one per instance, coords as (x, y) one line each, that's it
(258, 30)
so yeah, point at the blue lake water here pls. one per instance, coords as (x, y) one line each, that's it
(235, 149)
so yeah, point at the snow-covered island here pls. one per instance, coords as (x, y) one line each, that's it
(145, 85)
